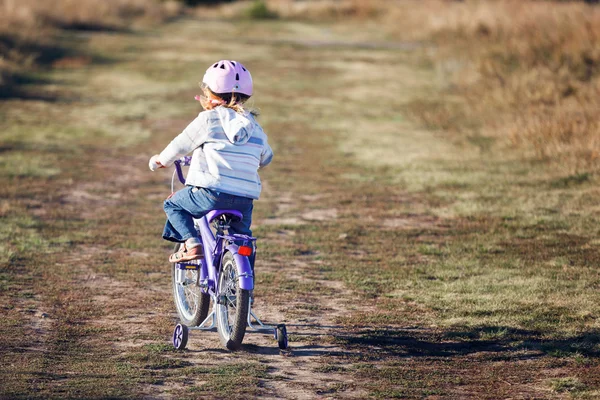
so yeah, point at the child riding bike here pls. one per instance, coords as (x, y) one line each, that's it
(228, 147)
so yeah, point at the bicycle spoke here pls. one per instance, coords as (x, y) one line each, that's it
(191, 302)
(192, 298)
(231, 311)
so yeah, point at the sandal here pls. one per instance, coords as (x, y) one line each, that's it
(186, 255)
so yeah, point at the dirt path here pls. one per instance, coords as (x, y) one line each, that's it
(126, 280)
(366, 251)
(292, 288)
(309, 369)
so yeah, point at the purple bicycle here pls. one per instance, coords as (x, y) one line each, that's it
(224, 277)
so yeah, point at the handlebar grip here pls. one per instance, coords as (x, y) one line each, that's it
(179, 172)
(186, 162)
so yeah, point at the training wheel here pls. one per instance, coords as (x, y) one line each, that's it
(281, 336)
(180, 336)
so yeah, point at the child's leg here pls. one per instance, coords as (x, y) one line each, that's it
(181, 209)
(180, 217)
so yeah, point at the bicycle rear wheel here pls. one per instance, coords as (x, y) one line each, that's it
(232, 310)
(191, 303)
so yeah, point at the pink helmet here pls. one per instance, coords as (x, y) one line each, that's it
(228, 76)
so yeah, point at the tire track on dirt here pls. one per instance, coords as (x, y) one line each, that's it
(309, 304)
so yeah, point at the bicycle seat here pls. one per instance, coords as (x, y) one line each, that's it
(233, 214)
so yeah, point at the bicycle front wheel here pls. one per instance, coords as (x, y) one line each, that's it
(234, 302)
(191, 302)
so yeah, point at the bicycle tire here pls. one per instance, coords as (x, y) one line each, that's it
(189, 314)
(232, 310)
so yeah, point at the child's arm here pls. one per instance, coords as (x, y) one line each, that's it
(192, 137)
(266, 155)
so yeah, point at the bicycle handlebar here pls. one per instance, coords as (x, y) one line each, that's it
(178, 164)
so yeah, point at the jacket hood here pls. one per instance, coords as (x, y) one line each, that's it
(238, 127)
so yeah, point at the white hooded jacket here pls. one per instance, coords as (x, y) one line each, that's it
(228, 149)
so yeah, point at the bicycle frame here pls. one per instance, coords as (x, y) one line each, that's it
(215, 246)
(214, 249)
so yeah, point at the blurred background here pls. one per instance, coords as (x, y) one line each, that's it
(526, 70)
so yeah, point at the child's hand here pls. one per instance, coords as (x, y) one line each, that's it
(154, 164)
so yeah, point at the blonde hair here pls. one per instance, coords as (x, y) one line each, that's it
(233, 100)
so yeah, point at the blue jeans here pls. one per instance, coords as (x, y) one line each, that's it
(191, 202)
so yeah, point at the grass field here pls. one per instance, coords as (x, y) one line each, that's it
(409, 258)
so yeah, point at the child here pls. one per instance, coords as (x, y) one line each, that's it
(228, 147)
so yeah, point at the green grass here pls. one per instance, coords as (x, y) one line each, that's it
(233, 380)
(571, 385)
(260, 11)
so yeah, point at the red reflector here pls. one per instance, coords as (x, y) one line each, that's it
(245, 251)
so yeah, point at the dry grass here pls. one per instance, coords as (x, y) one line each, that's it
(529, 75)
(524, 73)
(313, 10)
(20, 17)
(28, 27)
(527, 72)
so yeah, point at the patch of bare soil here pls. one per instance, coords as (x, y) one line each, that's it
(311, 323)
(320, 215)
(414, 222)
